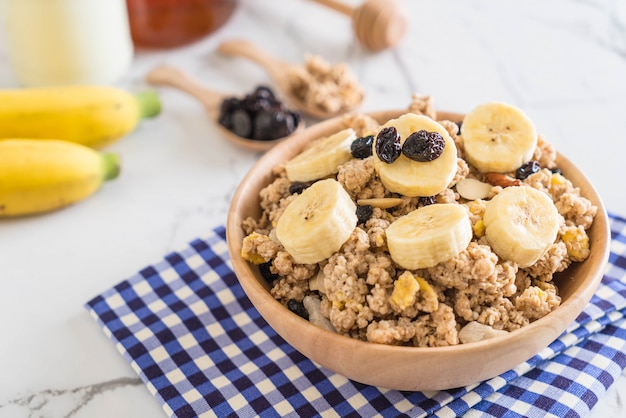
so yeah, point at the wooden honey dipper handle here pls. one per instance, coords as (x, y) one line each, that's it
(337, 6)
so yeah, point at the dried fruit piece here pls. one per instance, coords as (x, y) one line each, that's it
(527, 169)
(423, 146)
(258, 115)
(297, 308)
(241, 123)
(388, 147)
(297, 187)
(363, 213)
(362, 147)
(266, 272)
(273, 123)
(405, 290)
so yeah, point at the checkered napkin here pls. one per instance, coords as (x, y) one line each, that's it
(187, 328)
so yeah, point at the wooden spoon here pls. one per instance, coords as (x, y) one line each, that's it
(377, 24)
(277, 70)
(211, 99)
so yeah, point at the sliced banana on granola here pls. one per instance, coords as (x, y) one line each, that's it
(498, 137)
(322, 158)
(521, 223)
(413, 178)
(429, 235)
(317, 222)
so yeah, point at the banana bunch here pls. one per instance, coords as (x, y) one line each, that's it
(49, 139)
(95, 116)
(39, 176)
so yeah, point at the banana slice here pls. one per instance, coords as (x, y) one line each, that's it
(429, 235)
(322, 158)
(521, 223)
(413, 178)
(498, 137)
(317, 222)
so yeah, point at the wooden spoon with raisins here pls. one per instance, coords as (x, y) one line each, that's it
(295, 82)
(256, 121)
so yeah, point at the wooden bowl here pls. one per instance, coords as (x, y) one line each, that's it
(411, 368)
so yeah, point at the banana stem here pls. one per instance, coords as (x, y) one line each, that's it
(149, 104)
(111, 165)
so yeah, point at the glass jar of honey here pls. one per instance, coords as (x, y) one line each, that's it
(173, 23)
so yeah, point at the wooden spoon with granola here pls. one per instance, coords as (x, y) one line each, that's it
(318, 89)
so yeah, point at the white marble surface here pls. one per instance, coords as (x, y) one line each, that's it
(563, 61)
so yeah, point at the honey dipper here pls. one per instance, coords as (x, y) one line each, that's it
(377, 24)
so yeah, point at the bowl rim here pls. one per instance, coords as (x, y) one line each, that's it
(260, 297)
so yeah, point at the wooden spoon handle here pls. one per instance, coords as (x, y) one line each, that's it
(173, 77)
(337, 6)
(275, 67)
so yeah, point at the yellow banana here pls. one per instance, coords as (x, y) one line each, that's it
(39, 176)
(95, 116)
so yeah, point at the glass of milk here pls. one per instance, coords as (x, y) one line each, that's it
(58, 42)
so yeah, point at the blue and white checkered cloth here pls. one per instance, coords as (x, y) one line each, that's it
(187, 328)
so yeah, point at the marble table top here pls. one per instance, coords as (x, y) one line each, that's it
(563, 62)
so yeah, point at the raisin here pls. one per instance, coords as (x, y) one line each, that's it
(259, 116)
(296, 117)
(254, 106)
(297, 308)
(363, 213)
(423, 146)
(227, 107)
(426, 200)
(241, 123)
(388, 147)
(266, 272)
(556, 171)
(271, 124)
(264, 92)
(362, 147)
(297, 187)
(527, 169)
(258, 101)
